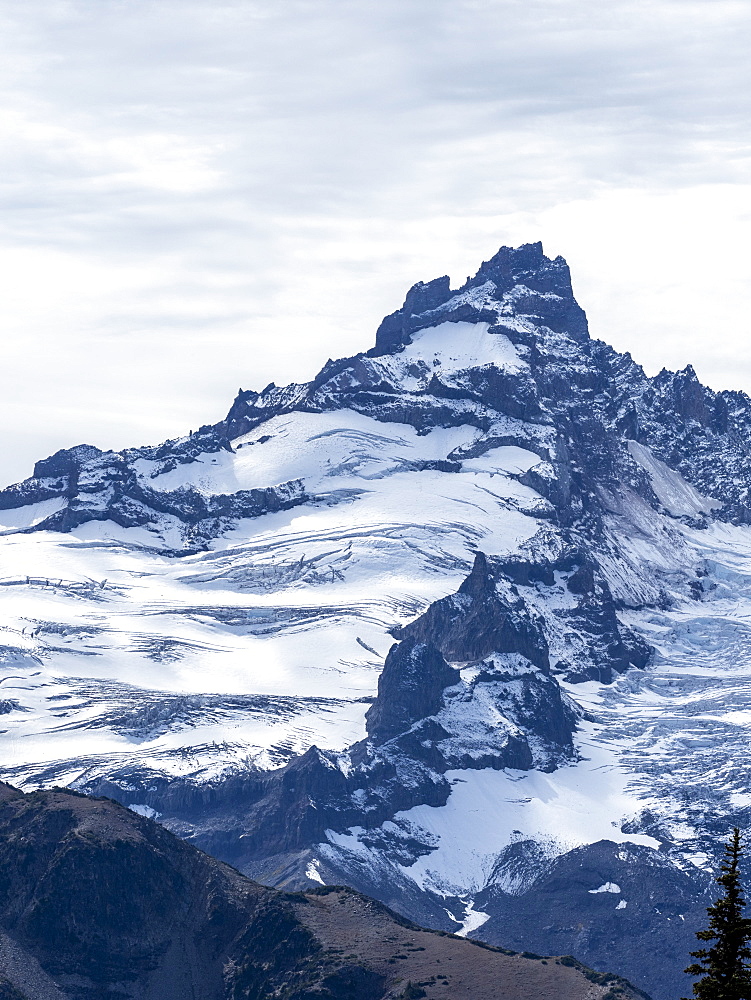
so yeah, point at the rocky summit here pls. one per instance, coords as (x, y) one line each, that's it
(461, 623)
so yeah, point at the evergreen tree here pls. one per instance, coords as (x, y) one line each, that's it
(724, 966)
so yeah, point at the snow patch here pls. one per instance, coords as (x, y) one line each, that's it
(676, 495)
(30, 515)
(454, 347)
(472, 919)
(313, 871)
(507, 458)
(143, 810)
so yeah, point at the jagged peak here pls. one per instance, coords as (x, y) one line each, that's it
(527, 261)
(66, 461)
(548, 280)
(480, 579)
(519, 292)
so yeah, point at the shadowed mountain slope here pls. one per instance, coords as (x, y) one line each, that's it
(97, 902)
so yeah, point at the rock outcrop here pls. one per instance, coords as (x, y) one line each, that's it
(410, 688)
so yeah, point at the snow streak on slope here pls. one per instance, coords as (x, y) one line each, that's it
(671, 489)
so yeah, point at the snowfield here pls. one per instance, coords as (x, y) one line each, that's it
(193, 617)
(275, 636)
(292, 605)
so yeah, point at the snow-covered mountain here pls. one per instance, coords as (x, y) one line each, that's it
(462, 622)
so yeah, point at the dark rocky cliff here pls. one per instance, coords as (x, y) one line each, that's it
(410, 688)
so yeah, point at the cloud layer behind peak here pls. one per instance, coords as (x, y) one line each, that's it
(201, 194)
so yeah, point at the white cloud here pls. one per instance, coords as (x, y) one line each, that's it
(197, 194)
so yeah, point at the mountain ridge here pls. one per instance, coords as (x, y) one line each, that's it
(548, 291)
(96, 901)
(557, 543)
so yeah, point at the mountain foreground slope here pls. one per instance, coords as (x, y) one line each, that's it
(96, 902)
(554, 747)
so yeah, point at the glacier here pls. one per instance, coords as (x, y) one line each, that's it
(464, 622)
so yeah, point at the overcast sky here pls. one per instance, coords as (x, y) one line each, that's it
(200, 194)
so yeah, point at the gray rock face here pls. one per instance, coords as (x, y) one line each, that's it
(410, 688)
(594, 900)
(479, 620)
(494, 612)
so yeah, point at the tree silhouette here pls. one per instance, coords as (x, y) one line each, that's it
(724, 966)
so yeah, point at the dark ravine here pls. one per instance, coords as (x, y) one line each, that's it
(97, 902)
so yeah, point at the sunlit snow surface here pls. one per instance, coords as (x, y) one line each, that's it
(116, 652)
(282, 624)
(489, 809)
